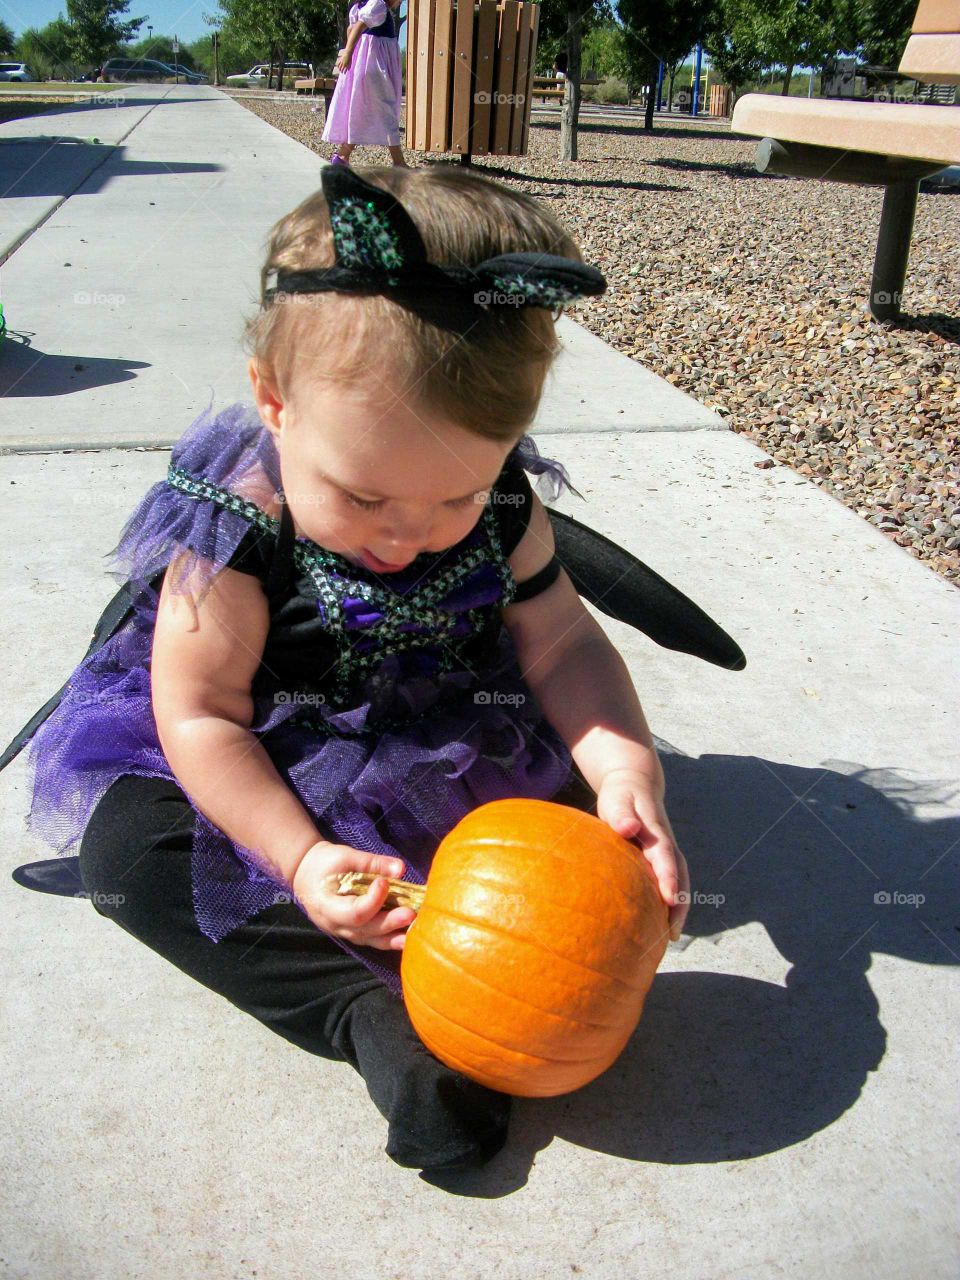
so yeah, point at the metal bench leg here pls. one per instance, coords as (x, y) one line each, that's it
(900, 177)
(893, 248)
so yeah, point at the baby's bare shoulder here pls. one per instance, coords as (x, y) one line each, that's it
(256, 486)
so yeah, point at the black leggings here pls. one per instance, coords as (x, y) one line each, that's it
(279, 967)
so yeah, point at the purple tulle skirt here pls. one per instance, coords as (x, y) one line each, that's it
(470, 737)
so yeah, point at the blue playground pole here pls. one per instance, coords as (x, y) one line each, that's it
(696, 82)
(659, 86)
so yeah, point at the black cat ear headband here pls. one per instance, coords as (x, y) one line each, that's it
(379, 250)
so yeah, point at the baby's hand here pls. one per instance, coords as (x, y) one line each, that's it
(629, 804)
(359, 920)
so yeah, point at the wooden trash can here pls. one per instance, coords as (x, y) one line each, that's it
(719, 100)
(470, 75)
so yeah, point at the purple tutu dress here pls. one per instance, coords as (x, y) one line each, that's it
(392, 706)
(365, 104)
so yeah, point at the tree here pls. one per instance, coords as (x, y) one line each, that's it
(96, 30)
(731, 44)
(602, 48)
(286, 30)
(7, 41)
(236, 54)
(884, 29)
(49, 52)
(661, 31)
(563, 25)
(794, 33)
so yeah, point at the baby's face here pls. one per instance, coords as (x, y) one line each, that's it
(376, 478)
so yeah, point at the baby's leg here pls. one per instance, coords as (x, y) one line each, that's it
(280, 969)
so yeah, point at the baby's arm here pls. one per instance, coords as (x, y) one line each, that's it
(205, 655)
(585, 690)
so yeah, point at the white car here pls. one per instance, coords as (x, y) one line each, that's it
(14, 71)
(257, 76)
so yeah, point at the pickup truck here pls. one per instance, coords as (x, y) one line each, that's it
(257, 76)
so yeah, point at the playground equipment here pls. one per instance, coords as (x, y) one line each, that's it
(696, 95)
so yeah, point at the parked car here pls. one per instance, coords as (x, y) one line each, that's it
(135, 69)
(258, 75)
(15, 71)
(187, 73)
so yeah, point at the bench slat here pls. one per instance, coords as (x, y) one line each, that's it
(936, 17)
(906, 129)
(934, 59)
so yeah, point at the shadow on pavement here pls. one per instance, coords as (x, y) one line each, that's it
(833, 864)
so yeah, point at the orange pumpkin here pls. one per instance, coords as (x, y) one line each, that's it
(538, 938)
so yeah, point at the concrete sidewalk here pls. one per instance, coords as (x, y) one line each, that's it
(788, 1107)
(159, 250)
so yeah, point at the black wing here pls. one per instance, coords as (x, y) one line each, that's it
(626, 589)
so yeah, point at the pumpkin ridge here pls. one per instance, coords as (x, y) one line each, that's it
(541, 946)
(519, 1063)
(631, 901)
(578, 820)
(478, 1035)
(574, 825)
(573, 1022)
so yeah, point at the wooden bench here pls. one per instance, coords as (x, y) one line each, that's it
(548, 87)
(324, 85)
(891, 144)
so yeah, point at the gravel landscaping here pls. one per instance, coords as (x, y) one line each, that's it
(749, 292)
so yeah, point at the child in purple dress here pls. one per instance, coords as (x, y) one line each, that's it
(365, 106)
(346, 627)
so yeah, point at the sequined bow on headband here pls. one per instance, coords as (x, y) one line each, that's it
(379, 250)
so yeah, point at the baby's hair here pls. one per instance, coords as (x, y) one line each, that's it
(489, 383)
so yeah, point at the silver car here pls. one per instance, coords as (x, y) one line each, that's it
(15, 71)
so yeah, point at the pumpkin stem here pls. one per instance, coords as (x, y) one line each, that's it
(402, 893)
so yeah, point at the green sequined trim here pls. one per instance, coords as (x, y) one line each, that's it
(422, 606)
(364, 236)
(547, 292)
